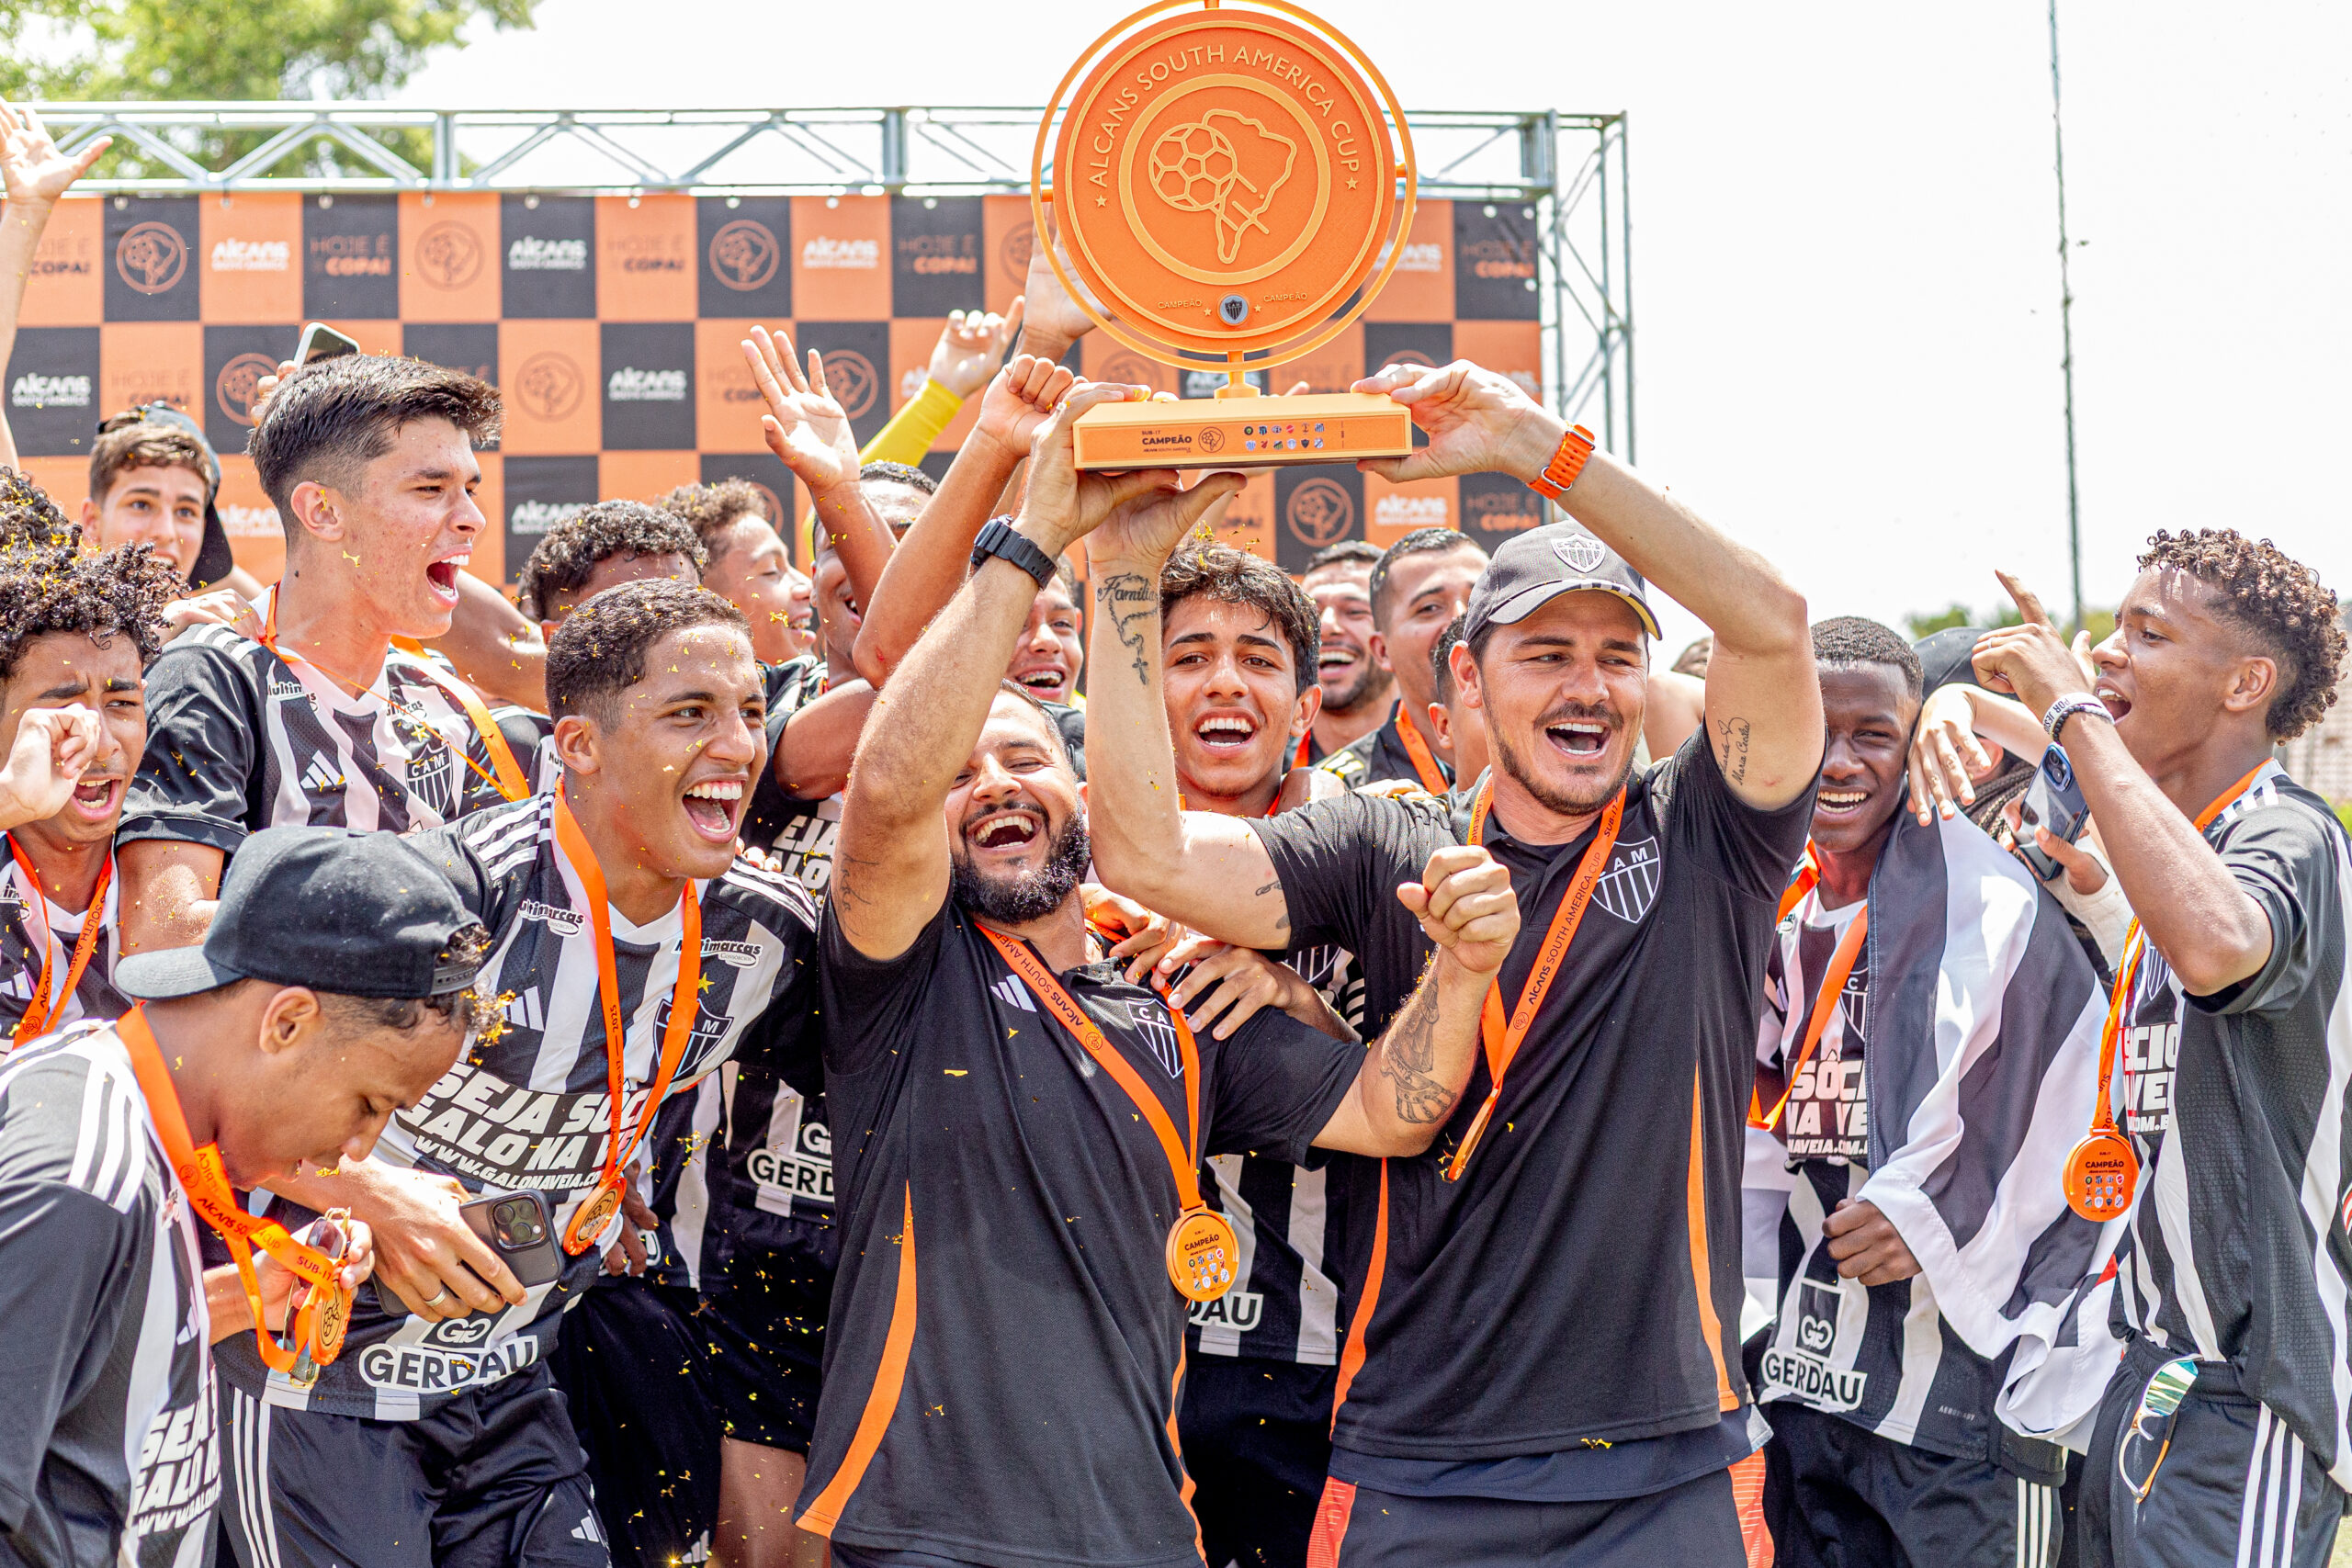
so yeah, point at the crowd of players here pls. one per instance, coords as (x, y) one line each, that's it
(1391, 1074)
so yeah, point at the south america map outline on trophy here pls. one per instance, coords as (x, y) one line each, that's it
(1228, 192)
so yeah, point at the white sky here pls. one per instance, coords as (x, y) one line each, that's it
(1846, 286)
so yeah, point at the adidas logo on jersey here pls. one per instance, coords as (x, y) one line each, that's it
(586, 1530)
(1012, 993)
(526, 1011)
(320, 779)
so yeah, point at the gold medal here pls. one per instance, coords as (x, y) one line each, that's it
(1204, 1254)
(590, 1221)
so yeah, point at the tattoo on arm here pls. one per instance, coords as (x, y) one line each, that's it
(1273, 886)
(1408, 1052)
(1140, 599)
(846, 869)
(1732, 751)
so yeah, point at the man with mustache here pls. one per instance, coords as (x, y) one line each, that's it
(1540, 1367)
(1018, 1127)
(1417, 588)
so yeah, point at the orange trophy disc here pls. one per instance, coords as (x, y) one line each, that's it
(1229, 193)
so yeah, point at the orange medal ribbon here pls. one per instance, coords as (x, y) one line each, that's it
(2102, 1172)
(507, 777)
(1204, 1255)
(325, 1311)
(1502, 1040)
(1305, 756)
(40, 1010)
(1424, 760)
(1832, 981)
(594, 1215)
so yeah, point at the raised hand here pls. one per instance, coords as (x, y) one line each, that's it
(804, 424)
(1477, 422)
(972, 347)
(1020, 400)
(2029, 661)
(1064, 505)
(36, 173)
(1056, 320)
(45, 764)
(1148, 526)
(1464, 902)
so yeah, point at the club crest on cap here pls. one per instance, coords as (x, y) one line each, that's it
(1579, 552)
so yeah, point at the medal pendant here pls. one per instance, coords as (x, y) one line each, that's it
(1203, 1255)
(594, 1218)
(2100, 1175)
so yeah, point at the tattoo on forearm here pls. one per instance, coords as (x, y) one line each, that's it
(1273, 886)
(1408, 1052)
(846, 870)
(1129, 599)
(1732, 749)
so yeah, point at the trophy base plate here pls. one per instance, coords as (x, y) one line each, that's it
(1243, 433)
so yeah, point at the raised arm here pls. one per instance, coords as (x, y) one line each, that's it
(806, 427)
(1414, 1074)
(1763, 700)
(929, 565)
(35, 174)
(1200, 869)
(891, 861)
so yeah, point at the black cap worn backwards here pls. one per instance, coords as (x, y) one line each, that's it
(1540, 565)
(1944, 657)
(360, 914)
(214, 560)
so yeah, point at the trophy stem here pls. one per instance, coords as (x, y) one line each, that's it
(1237, 382)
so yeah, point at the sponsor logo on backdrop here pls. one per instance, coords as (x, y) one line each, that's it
(630, 385)
(934, 253)
(537, 517)
(236, 388)
(61, 256)
(251, 522)
(1422, 258)
(1502, 513)
(845, 255)
(549, 385)
(449, 256)
(1013, 251)
(150, 257)
(650, 255)
(353, 255)
(252, 255)
(744, 254)
(531, 254)
(32, 391)
(1320, 512)
(1495, 257)
(1411, 511)
(851, 376)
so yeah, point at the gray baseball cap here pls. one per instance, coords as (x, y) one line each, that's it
(1540, 565)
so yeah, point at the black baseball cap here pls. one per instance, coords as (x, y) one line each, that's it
(214, 560)
(361, 914)
(1540, 565)
(1945, 658)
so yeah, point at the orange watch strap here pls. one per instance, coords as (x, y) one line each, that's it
(1566, 464)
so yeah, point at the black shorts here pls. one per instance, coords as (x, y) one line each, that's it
(2235, 1486)
(1257, 1437)
(492, 1479)
(635, 1370)
(1839, 1496)
(1695, 1524)
(766, 1319)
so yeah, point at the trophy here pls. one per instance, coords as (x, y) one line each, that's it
(1231, 194)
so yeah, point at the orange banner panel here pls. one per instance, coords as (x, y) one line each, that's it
(645, 258)
(66, 289)
(251, 267)
(1514, 348)
(1421, 289)
(1393, 510)
(1006, 237)
(642, 475)
(1249, 518)
(449, 257)
(727, 404)
(841, 250)
(145, 362)
(256, 537)
(552, 374)
(67, 480)
(910, 345)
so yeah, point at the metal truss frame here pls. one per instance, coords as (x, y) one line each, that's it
(1571, 169)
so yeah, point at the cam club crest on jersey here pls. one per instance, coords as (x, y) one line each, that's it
(1629, 887)
(1157, 1031)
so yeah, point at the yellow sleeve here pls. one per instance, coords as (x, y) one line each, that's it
(913, 428)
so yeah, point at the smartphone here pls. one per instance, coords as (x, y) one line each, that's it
(2053, 802)
(520, 1228)
(320, 340)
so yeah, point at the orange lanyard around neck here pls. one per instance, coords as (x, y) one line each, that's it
(1824, 996)
(1502, 1041)
(507, 777)
(40, 1012)
(1058, 1001)
(685, 1002)
(1408, 735)
(321, 1319)
(1305, 755)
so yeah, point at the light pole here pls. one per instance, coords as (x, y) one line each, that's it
(2066, 329)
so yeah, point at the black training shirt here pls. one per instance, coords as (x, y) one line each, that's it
(1581, 1282)
(1027, 1396)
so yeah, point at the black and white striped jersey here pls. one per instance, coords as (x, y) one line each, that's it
(2241, 1240)
(528, 1106)
(109, 1450)
(31, 925)
(1950, 1080)
(239, 739)
(1286, 1304)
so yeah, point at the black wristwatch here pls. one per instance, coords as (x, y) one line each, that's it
(1001, 539)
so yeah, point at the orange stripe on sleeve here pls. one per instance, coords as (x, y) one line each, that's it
(1701, 1270)
(882, 1400)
